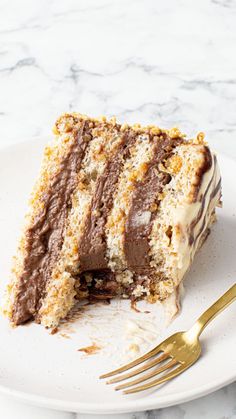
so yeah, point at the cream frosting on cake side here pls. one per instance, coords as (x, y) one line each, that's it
(185, 214)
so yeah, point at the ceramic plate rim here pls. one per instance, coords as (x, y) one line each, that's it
(108, 408)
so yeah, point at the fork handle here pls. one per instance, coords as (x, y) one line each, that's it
(224, 301)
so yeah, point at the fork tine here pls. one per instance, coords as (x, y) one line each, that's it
(137, 361)
(145, 367)
(161, 380)
(149, 375)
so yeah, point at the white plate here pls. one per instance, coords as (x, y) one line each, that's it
(48, 370)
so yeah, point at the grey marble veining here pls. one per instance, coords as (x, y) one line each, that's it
(164, 62)
(169, 62)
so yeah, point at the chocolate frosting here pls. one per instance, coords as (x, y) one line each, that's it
(45, 237)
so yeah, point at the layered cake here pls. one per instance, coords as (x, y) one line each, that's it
(117, 211)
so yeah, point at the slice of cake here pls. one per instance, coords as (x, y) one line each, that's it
(117, 210)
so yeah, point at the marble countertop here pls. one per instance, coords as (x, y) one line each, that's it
(165, 62)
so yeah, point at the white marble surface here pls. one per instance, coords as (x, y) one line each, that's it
(167, 62)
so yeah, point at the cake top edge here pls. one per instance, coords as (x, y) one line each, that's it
(67, 121)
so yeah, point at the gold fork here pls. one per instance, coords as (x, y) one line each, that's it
(178, 352)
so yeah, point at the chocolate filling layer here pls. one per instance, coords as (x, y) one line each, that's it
(93, 242)
(45, 237)
(144, 204)
(103, 286)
